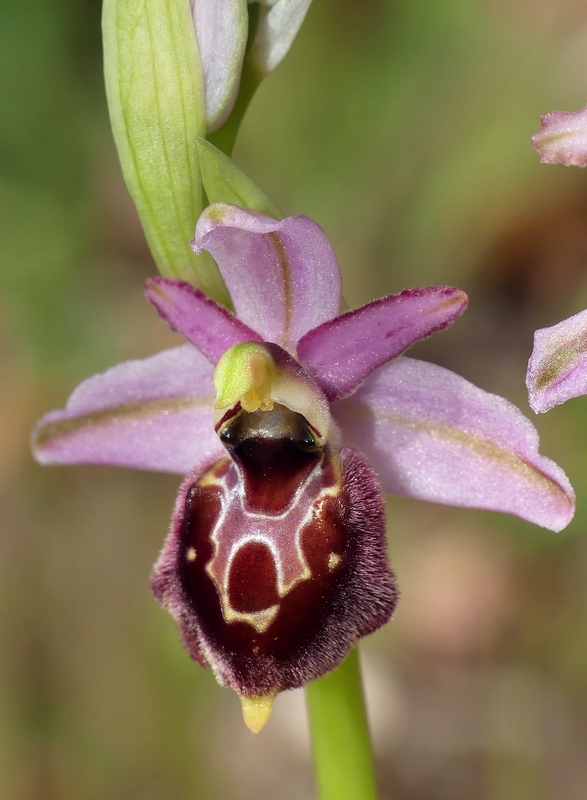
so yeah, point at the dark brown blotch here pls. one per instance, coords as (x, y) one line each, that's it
(252, 582)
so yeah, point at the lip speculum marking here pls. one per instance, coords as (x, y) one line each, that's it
(291, 565)
(259, 517)
(272, 492)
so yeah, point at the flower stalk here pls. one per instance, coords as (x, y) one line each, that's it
(341, 743)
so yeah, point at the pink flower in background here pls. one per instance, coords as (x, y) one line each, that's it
(289, 420)
(557, 370)
(562, 138)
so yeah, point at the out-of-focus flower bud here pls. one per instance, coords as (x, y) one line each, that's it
(272, 27)
(221, 31)
(173, 73)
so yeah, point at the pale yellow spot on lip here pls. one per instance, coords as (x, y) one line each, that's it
(214, 475)
(333, 561)
(191, 554)
(260, 620)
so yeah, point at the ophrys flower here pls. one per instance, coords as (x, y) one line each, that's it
(275, 561)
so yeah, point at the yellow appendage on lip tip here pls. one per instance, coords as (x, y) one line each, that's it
(246, 373)
(257, 710)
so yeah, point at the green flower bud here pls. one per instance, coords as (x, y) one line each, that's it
(155, 91)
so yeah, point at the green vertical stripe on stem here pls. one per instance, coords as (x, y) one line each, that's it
(340, 735)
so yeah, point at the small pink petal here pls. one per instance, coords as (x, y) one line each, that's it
(562, 138)
(342, 352)
(432, 435)
(150, 414)
(283, 277)
(204, 323)
(557, 370)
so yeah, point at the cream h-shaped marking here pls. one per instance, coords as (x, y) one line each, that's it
(281, 533)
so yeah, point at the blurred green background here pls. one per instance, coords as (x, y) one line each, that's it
(404, 129)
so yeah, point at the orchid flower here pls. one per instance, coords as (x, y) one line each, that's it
(557, 370)
(289, 420)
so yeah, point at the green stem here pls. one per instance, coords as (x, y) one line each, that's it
(340, 735)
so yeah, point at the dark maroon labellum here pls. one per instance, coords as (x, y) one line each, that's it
(275, 563)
